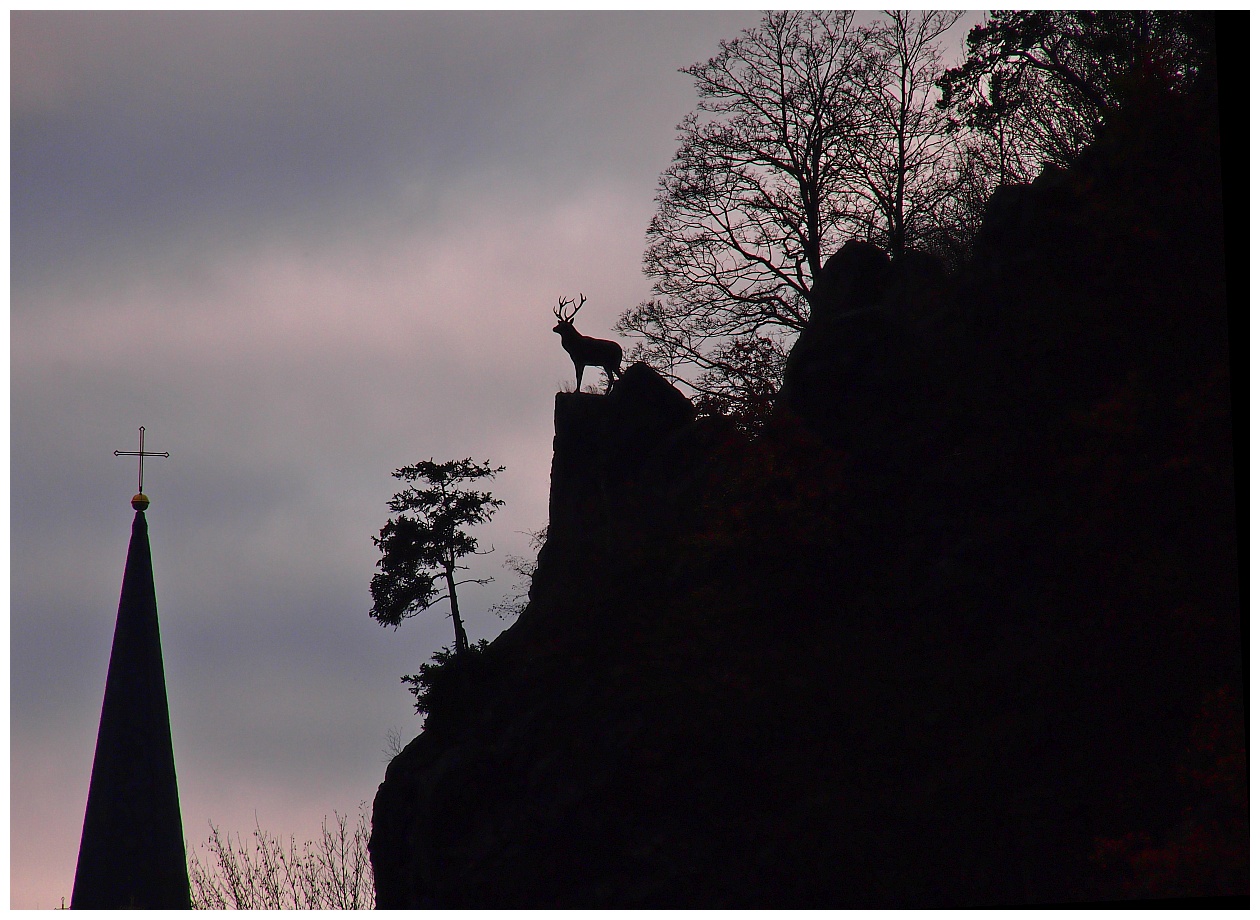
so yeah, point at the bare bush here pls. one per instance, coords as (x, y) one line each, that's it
(330, 873)
(518, 597)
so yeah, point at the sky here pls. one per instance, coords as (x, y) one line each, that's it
(303, 250)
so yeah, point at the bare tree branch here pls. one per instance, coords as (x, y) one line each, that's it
(808, 131)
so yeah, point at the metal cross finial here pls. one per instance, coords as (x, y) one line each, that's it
(141, 453)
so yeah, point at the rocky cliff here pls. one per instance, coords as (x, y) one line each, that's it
(960, 627)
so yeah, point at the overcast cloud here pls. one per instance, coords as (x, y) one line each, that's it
(303, 250)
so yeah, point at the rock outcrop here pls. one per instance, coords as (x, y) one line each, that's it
(603, 441)
(960, 628)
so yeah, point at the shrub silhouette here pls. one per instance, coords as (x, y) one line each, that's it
(330, 873)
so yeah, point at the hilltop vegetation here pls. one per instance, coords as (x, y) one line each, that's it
(954, 622)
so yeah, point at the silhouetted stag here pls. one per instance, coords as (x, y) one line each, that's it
(585, 351)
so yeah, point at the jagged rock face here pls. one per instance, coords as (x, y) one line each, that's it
(852, 279)
(602, 441)
(563, 779)
(1080, 270)
(932, 640)
(860, 364)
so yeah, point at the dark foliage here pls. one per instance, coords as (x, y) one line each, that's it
(1207, 851)
(445, 677)
(1039, 84)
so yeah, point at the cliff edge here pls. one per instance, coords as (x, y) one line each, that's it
(961, 627)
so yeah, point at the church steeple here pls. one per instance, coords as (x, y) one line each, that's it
(132, 850)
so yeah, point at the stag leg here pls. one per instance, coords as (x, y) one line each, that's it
(579, 368)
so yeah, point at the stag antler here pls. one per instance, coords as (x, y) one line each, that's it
(565, 302)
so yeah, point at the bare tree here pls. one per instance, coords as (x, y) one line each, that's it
(333, 872)
(809, 131)
(747, 211)
(902, 155)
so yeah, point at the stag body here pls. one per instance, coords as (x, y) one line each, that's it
(585, 351)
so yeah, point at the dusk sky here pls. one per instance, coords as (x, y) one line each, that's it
(302, 250)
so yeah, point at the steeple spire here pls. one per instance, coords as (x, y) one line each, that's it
(132, 850)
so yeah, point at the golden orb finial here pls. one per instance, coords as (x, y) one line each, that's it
(139, 501)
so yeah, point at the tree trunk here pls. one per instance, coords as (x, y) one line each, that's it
(461, 638)
(897, 234)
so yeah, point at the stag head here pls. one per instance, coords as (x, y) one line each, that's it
(564, 315)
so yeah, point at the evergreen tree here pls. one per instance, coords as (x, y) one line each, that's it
(422, 545)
